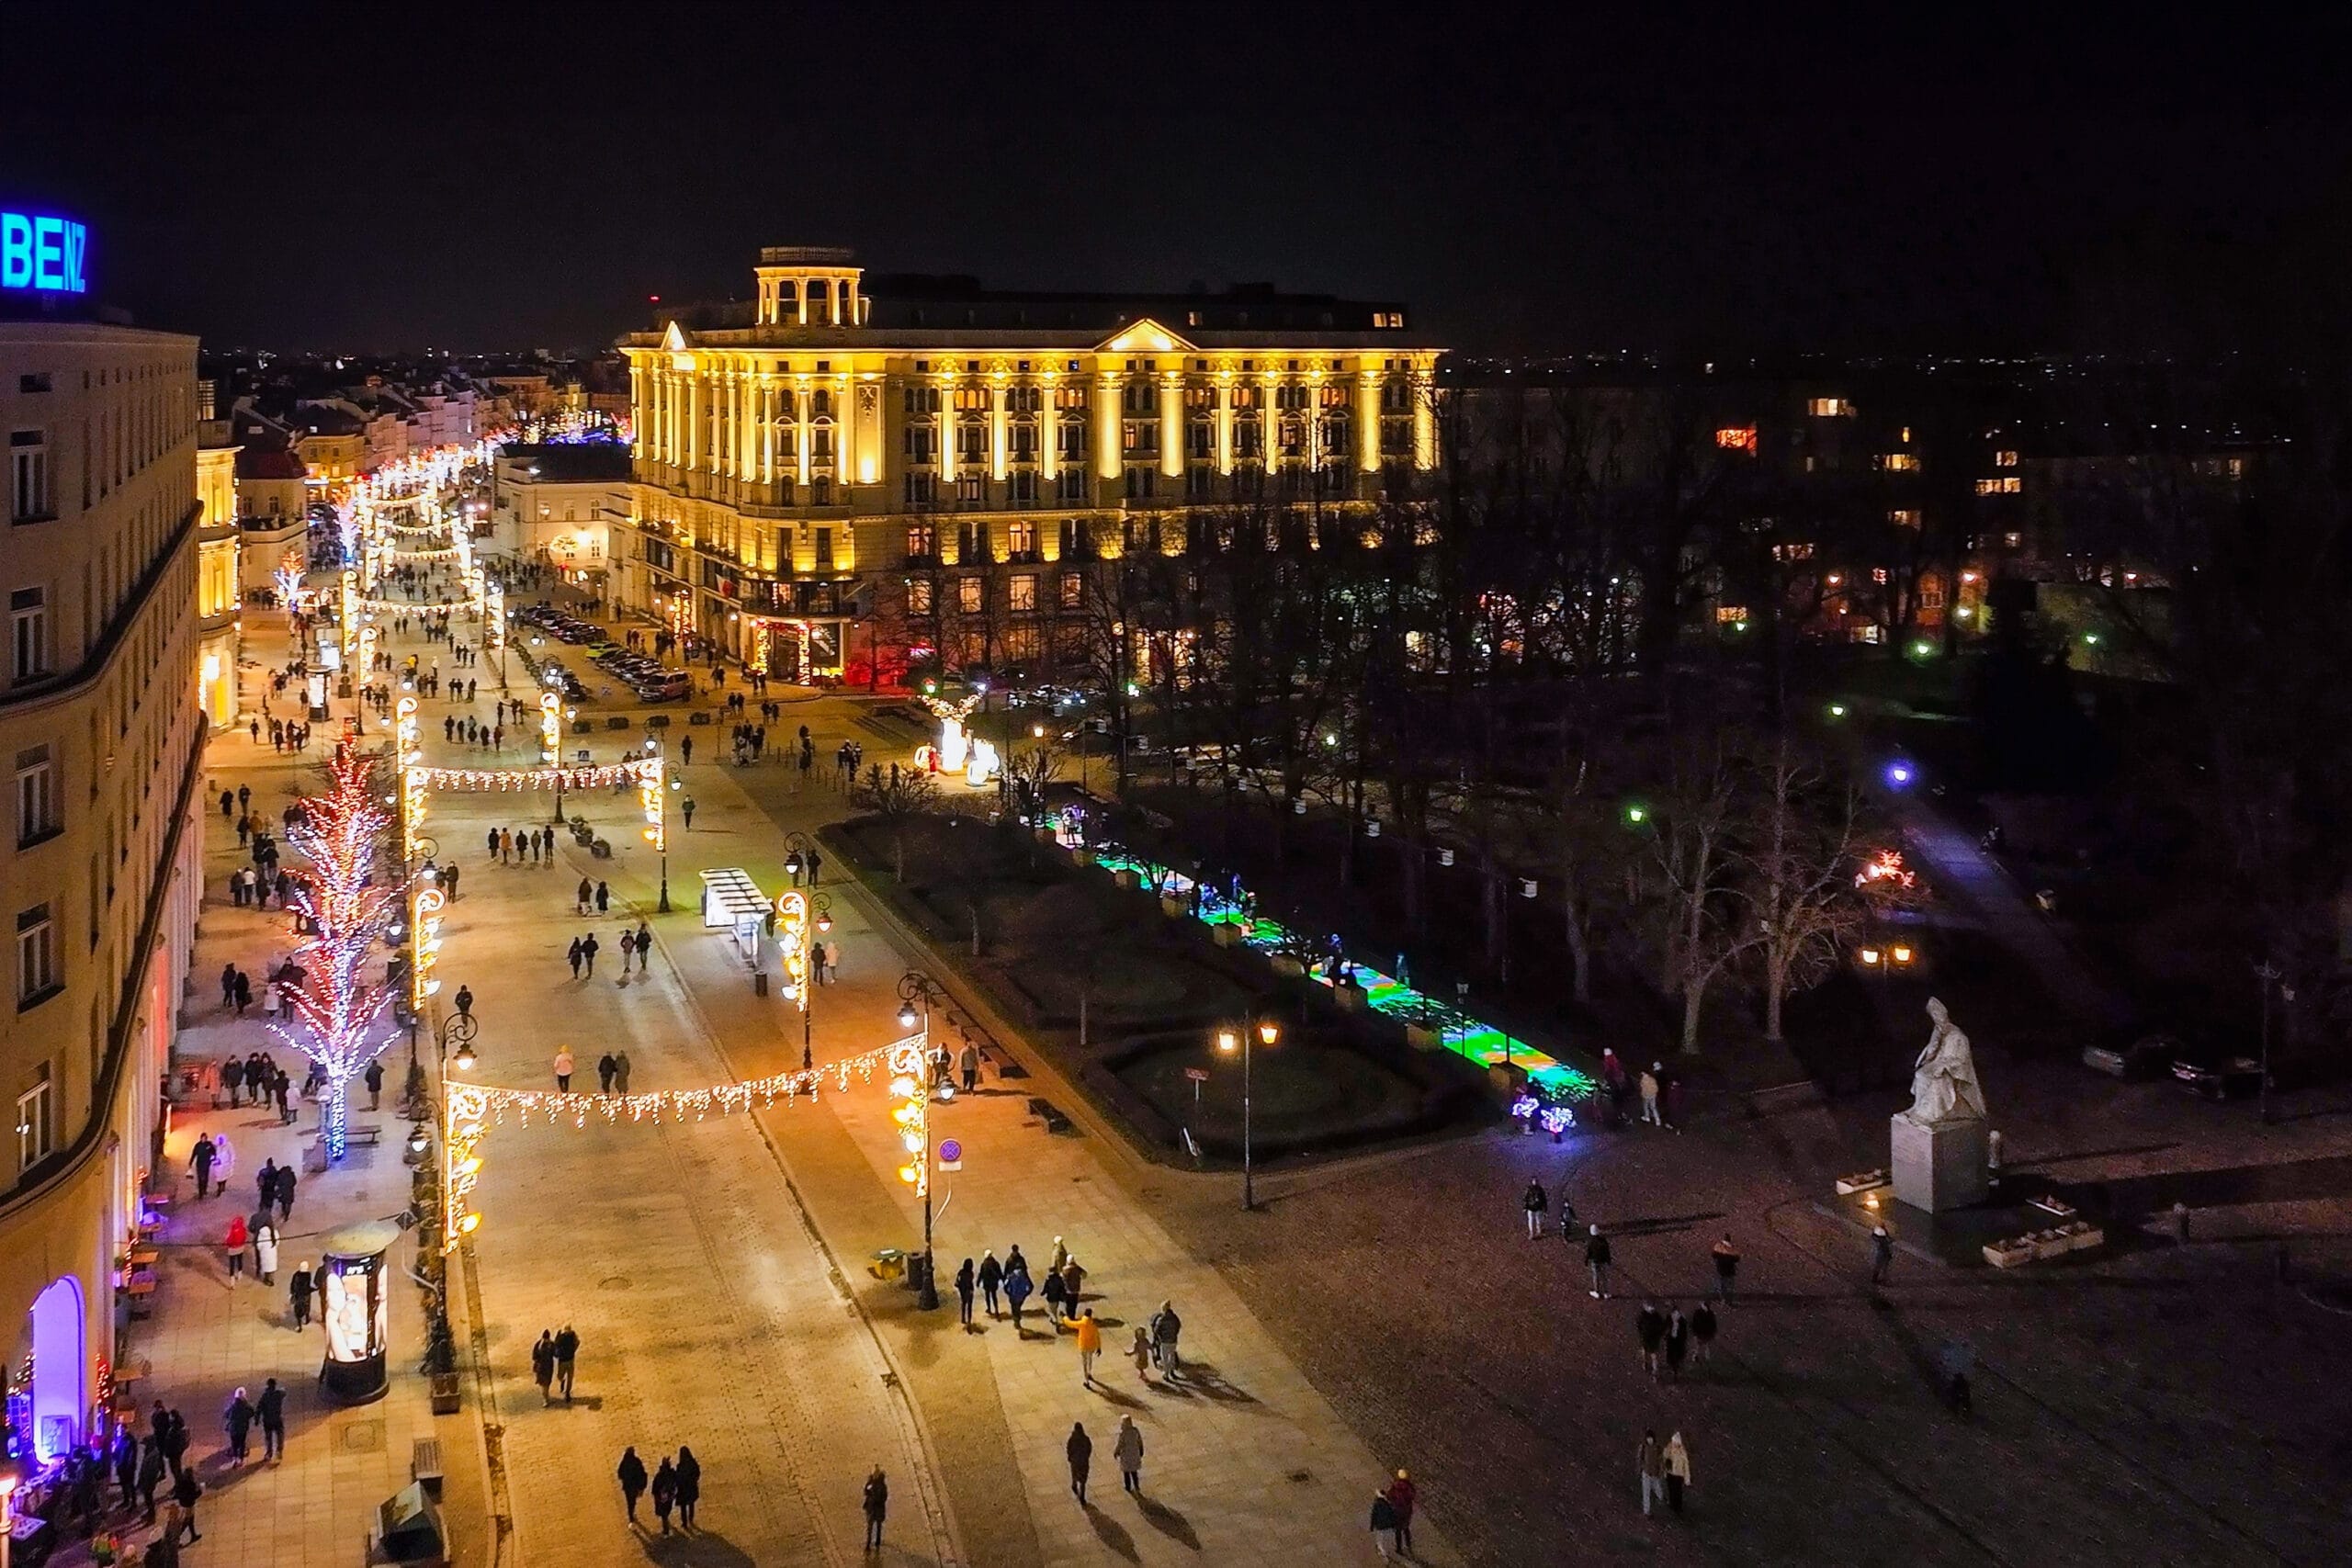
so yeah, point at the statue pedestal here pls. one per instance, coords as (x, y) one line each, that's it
(1940, 1167)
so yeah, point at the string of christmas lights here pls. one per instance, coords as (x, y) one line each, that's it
(679, 1105)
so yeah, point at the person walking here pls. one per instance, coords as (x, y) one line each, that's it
(1678, 1470)
(967, 1061)
(201, 1158)
(1016, 1291)
(689, 1486)
(566, 1351)
(1678, 1342)
(176, 1441)
(1403, 1496)
(1128, 1451)
(126, 1465)
(620, 1072)
(1139, 1352)
(564, 1069)
(632, 1474)
(1726, 1257)
(588, 953)
(186, 1489)
(233, 1244)
(1079, 1447)
(1649, 1461)
(1535, 1202)
(286, 1183)
(964, 1291)
(297, 1294)
(1650, 1327)
(271, 1408)
(151, 1470)
(1090, 1344)
(244, 993)
(465, 1000)
(1596, 1258)
(1649, 1094)
(644, 947)
(686, 806)
(1073, 1281)
(605, 1067)
(1881, 1254)
(265, 1253)
(1702, 1333)
(237, 1421)
(1383, 1525)
(628, 949)
(877, 1504)
(266, 1185)
(665, 1492)
(581, 894)
(374, 1078)
(603, 898)
(990, 1278)
(543, 1372)
(1057, 1296)
(1166, 1326)
(574, 956)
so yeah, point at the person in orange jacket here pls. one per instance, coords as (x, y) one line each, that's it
(1090, 1344)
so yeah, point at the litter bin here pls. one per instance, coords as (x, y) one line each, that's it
(759, 982)
(888, 1264)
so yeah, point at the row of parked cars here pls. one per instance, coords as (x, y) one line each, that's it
(2201, 1067)
(648, 677)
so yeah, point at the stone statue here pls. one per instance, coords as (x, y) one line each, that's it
(1943, 1082)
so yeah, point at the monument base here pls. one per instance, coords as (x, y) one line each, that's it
(1940, 1167)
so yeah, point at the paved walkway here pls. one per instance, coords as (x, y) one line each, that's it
(208, 1335)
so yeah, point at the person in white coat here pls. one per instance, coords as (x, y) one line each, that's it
(266, 1252)
(1128, 1449)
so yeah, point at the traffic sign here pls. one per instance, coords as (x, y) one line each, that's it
(1198, 1075)
(951, 1154)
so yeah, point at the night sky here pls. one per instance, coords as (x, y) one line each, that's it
(312, 178)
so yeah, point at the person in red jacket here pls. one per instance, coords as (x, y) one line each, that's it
(1401, 1496)
(234, 1245)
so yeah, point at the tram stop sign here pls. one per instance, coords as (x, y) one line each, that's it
(951, 1154)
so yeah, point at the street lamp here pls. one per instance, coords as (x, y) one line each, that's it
(1229, 1040)
(914, 1116)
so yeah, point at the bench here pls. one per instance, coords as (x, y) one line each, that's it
(1046, 1112)
(424, 1464)
(367, 1133)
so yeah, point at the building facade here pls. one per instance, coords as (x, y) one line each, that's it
(555, 504)
(841, 478)
(218, 579)
(98, 715)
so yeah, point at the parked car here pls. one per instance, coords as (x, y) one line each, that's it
(2216, 1075)
(2149, 1056)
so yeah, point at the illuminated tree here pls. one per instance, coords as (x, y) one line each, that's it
(346, 912)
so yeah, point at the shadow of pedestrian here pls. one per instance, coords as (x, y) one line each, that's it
(1113, 1533)
(1124, 1401)
(1204, 1376)
(1168, 1522)
(697, 1548)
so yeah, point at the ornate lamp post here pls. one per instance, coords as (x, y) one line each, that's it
(913, 1082)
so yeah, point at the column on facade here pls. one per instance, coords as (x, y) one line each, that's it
(1315, 424)
(998, 436)
(636, 390)
(766, 459)
(807, 434)
(1225, 422)
(1424, 421)
(1171, 422)
(692, 409)
(1368, 421)
(1106, 427)
(1049, 430)
(944, 452)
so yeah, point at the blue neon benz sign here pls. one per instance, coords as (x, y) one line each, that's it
(43, 253)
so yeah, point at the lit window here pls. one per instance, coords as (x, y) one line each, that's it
(1737, 439)
(2007, 484)
(1904, 518)
(2013, 539)
(1932, 593)
(36, 1123)
(919, 597)
(1878, 575)
(36, 796)
(1829, 408)
(1021, 591)
(1898, 462)
(2005, 459)
(968, 595)
(36, 955)
(1730, 615)
(1073, 591)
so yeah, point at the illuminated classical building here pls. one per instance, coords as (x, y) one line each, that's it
(99, 718)
(847, 473)
(218, 578)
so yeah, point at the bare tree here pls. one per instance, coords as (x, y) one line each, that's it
(1798, 851)
(1694, 913)
(898, 797)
